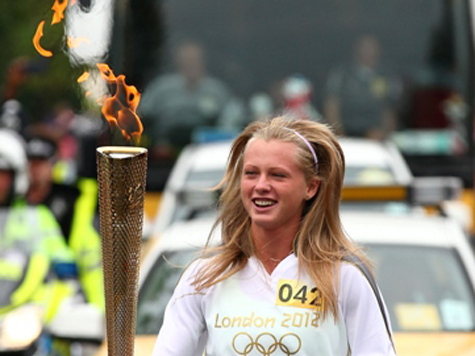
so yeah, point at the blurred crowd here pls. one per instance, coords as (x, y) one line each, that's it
(361, 97)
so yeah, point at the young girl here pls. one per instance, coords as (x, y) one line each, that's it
(279, 283)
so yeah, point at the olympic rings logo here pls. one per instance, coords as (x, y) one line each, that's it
(266, 344)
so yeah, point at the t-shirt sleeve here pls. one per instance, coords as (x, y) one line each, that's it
(183, 332)
(367, 334)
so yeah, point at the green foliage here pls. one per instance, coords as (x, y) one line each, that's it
(55, 80)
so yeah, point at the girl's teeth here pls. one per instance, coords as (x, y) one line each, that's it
(264, 202)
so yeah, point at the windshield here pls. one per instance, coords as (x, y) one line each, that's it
(204, 178)
(425, 288)
(158, 289)
(361, 176)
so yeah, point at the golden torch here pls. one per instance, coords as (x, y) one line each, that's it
(121, 172)
(121, 179)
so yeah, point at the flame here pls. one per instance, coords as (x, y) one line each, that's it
(84, 76)
(58, 8)
(120, 109)
(74, 42)
(36, 41)
(107, 73)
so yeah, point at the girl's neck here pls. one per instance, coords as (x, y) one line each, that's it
(273, 246)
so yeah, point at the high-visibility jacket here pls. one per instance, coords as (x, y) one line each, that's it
(86, 243)
(74, 207)
(31, 244)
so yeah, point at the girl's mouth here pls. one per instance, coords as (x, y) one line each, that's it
(264, 203)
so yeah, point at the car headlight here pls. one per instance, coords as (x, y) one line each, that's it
(20, 328)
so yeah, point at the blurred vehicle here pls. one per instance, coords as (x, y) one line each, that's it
(373, 164)
(423, 265)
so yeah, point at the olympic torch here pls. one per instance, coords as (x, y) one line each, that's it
(121, 179)
(121, 174)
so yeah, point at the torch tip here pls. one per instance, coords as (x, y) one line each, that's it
(118, 152)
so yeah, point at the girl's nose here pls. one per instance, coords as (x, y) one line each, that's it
(263, 183)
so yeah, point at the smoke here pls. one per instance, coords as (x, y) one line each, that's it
(93, 23)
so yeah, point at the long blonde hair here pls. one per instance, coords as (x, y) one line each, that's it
(320, 243)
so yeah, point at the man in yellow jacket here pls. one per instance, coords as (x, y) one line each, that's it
(34, 258)
(74, 207)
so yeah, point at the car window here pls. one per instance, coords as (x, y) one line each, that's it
(367, 175)
(204, 178)
(158, 288)
(425, 288)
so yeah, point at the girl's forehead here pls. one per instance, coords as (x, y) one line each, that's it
(269, 145)
(276, 151)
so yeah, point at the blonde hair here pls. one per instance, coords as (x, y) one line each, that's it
(320, 243)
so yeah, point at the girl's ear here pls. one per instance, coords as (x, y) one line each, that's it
(312, 188)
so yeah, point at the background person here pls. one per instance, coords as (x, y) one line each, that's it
(361, 97)
(74, 207)
(278, 281)
(29, 234)
(175, 105)
(297, 92)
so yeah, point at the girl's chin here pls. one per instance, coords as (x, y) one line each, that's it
(265, 224)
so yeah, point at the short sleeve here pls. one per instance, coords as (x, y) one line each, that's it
(367, 334)
(183, 332)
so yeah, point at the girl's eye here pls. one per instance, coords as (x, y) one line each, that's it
(249, 173)
(279, 175)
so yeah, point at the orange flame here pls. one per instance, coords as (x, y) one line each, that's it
(107, 73)
(58, 8)
(36, 41)
(74, 42)
(84, 76)
(120, 109)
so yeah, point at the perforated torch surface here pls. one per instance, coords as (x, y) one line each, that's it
(121, 203)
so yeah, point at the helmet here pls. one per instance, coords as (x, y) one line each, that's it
(297, 90)
(13, 157)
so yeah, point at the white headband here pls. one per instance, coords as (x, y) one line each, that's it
(310, 147)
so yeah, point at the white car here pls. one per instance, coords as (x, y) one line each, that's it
(423, 265)
(201, 166)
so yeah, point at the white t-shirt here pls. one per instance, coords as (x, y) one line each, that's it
(253, 313)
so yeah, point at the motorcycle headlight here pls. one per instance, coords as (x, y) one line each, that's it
(20, 328)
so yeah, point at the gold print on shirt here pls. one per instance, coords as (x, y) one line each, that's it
(266, 344)
(296, 320)
(299, 320)
(293, 293)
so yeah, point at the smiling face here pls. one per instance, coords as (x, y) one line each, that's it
(273, 186)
